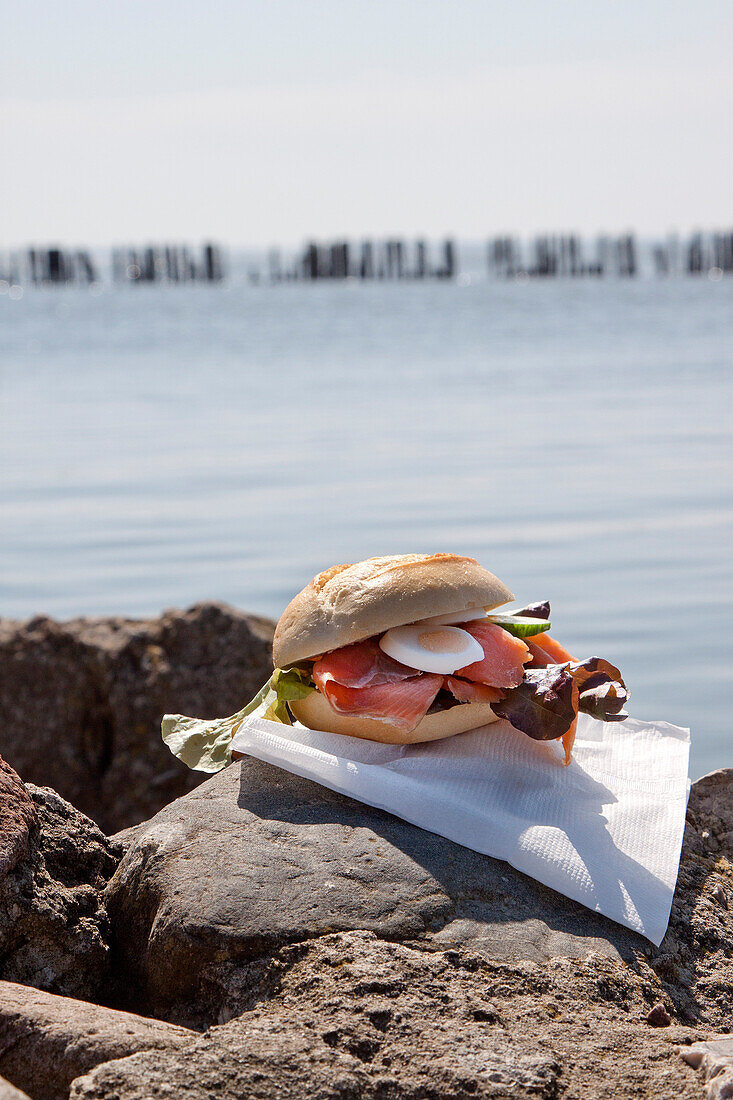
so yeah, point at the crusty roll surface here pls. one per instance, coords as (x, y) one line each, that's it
(317, 713)
(348, 603)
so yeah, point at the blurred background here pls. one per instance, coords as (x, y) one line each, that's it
(284, 285)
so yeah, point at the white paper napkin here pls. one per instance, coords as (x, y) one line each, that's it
(605, 831)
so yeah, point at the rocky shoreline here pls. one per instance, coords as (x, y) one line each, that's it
(260, 936)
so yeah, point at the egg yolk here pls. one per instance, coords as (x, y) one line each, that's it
(441, 641)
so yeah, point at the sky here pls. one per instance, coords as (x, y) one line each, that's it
(267, 122)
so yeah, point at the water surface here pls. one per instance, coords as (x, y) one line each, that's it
(165, 445)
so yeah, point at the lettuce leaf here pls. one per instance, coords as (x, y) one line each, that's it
(602, 689)
(204, 744)
(543, 705)
(535, 610)
(546, 703)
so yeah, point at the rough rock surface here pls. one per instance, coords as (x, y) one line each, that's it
(350, 1015)
(256, 858)
(17, 817)
(695, 959)
(9, 1092)
(715, 1059)
(54, 931)
(46, 1041)
(81, 701)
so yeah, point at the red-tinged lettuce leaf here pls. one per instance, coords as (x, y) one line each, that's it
(605, 702)
(603, 692)
(546, 703)
(534, 610)
(544, 706)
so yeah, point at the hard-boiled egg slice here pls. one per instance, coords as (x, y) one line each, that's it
(431, 648)
(468, 616)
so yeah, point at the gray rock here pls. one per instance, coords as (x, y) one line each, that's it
(81, 701)
(46, 1041)
(17, 817)
(257, 857)
(715, 1058)
(54, 931)
(9, 1092)
(695, 959)
(352, 1016)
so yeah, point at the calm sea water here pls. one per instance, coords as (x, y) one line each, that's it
(160, 446)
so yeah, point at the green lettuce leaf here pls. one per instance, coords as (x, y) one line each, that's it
(204, 744)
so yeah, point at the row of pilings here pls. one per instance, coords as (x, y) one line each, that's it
(168, 263)
(505, 258)
(570, 256)
(390, 259)
(565, 256)
(49, 267)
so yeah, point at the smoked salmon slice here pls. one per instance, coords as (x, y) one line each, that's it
(568, 740)
(404, 703)
(360, 665)
(467, 692)
(504, 656)
(546, 651)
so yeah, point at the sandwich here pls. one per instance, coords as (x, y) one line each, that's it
(408, 649)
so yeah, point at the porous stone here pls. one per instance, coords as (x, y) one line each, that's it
(46, 1041)
(81, 701)
(54, 931)
(17, 817)
(695, 959)
(9, 1092)
(714, 1058)
(658, 1016)
(257, 857)
(353, 1016)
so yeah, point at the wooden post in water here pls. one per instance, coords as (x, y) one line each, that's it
(334, 262)
(631, 260)
(728, 253)
(366, 267)
(448, 270)
(171, 263)
(85, 267)
(342, 252)
(33, 266)
(399, 252)
(148, 265)
(310, 261)
(574, 256)
(694, 254)
(213, 267)
(421, 263)
(390, 260)
(55, 265)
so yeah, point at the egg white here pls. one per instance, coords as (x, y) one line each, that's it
(468, 616)
(431, 647)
